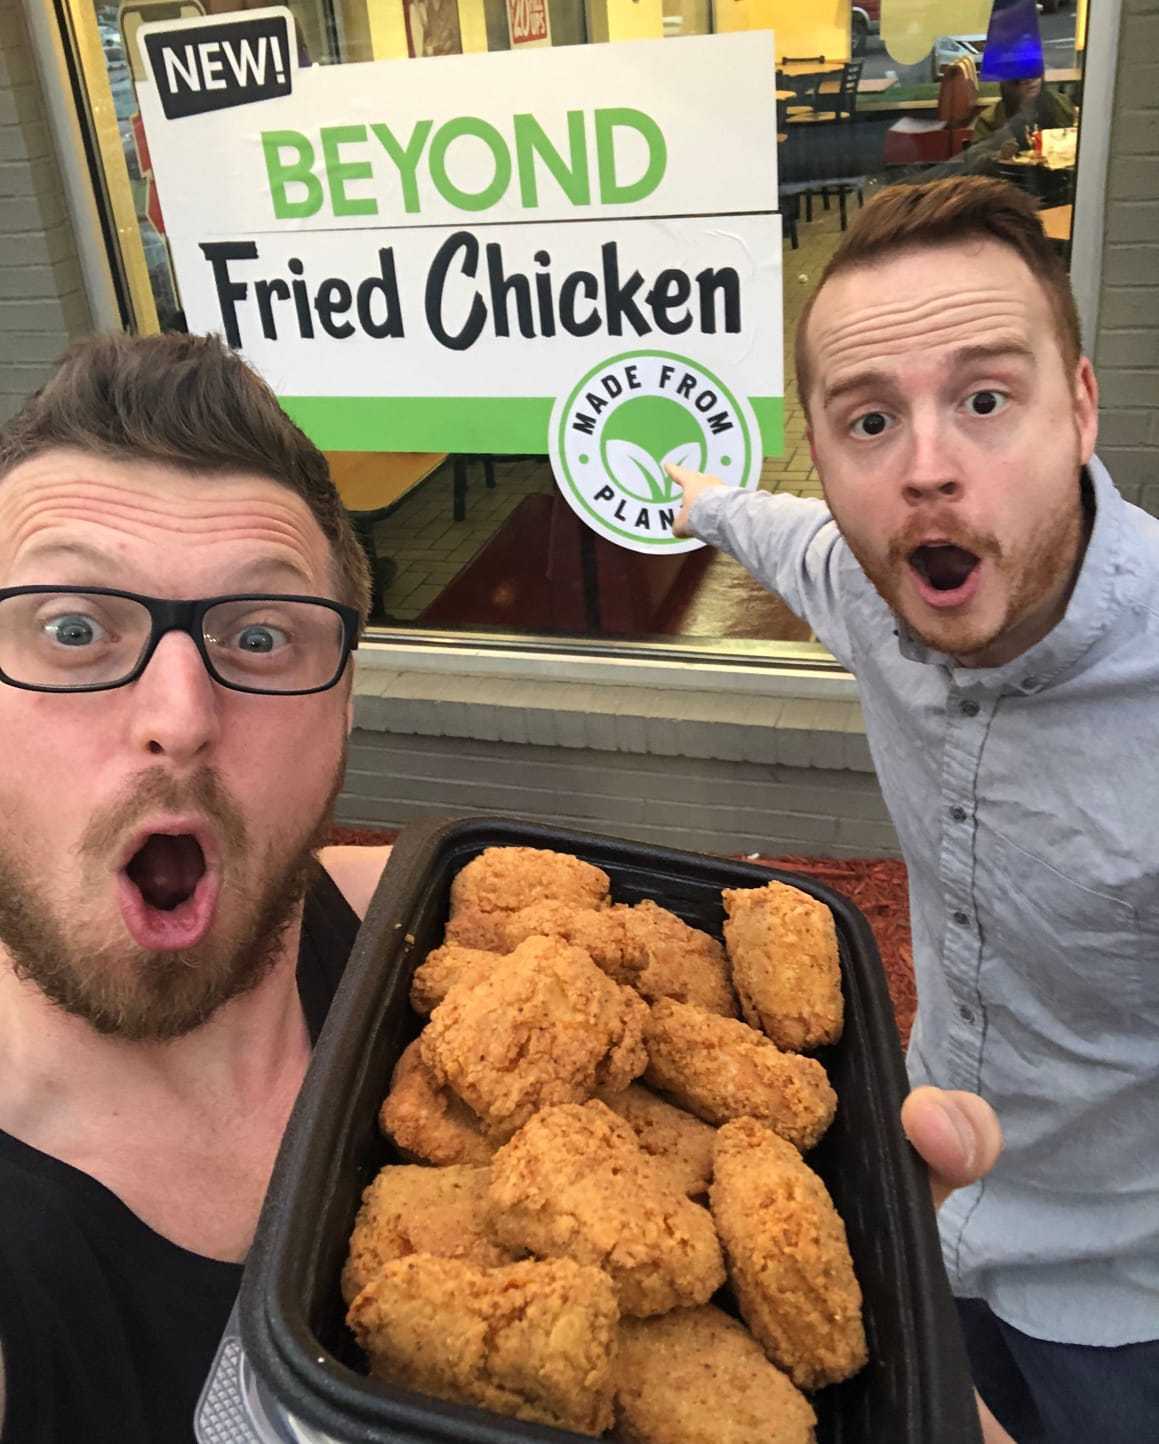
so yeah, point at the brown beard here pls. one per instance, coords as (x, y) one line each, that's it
(1032, 575)
(136, 995)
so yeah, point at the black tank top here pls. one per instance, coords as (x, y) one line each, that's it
(108, 1330)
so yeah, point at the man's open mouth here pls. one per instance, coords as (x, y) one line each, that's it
(169, 891)
(942, 566)
(167, 869)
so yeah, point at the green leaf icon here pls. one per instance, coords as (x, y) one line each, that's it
(640, 436)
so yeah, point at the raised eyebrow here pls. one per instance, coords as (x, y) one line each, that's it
(994, 351)
(857, 381)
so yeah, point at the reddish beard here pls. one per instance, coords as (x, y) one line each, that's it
(1031, 575)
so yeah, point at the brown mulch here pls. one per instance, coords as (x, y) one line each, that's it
(875, 885)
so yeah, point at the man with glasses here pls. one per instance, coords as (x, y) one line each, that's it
(180, 594)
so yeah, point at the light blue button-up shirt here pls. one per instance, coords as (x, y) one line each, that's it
(1026, 800)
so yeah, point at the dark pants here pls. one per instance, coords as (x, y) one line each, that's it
(1044, 1393)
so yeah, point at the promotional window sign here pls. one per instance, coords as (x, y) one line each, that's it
(528, 22)
(572, 252)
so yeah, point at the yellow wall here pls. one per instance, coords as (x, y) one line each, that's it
(385, 25)
(910, 27)
(802, 27)
(1080, 25)
(472, 26)
(628, 19)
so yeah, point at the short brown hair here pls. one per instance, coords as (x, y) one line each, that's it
(939, 213)
(187, 402)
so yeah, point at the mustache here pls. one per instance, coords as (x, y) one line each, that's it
(951, 530)
(157, 790)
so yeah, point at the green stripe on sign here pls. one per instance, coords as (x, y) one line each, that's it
(457, 423)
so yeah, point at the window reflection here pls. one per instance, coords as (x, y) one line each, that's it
(868, 93)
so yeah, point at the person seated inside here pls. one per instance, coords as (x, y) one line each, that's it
(1028, 103)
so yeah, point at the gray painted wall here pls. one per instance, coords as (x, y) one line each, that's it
(42, 299)
(1126, 350)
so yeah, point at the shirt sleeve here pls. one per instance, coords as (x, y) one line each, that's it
(791, 545)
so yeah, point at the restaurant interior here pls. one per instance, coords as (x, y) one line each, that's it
(468, 548)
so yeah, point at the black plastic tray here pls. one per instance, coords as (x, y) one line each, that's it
(916, 1387)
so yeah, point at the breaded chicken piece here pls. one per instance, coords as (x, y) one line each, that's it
(782, 945)
(408, 1209)
(574, 1183)
(599, 931)
(426, 1121)
(442, 968)
(668, 1135)
(531, 1340)
(720, 1068)
(546, 1026)
(673, 960)
(788, 1257)
(697, 1376)
(506, 879)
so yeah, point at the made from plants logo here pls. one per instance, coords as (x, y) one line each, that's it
(611, 436)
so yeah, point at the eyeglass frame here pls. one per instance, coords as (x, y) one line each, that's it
(167, 615)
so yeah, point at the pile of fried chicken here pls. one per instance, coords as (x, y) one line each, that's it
(598, 1144)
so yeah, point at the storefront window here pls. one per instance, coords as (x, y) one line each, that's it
(472, 546)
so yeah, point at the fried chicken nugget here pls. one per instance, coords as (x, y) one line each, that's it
(673, 960)
(531, 1340)
(599, 931)
(720, 1068)
(428, 1122)
(788, 1256)
(408, 1209)
(574, 1183)
(506, 879)
(696, 1376)
(443, 967)
(782, 945)
(545, 1026)
(668, 1135)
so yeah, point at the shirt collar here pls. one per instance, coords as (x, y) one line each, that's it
(1093, 606)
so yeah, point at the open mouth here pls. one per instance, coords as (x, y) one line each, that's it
(167, 869)
(169, 891)
(945, 569)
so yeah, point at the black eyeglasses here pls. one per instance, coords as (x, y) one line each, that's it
(89, 639)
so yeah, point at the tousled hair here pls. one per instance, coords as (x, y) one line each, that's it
(942, 212)
(187, 402)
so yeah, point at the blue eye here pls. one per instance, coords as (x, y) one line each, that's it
(261, 638)
(75, 630)
(986, 403)
(872, 424)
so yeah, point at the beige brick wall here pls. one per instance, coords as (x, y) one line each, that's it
(42, 299)
(1126, 350)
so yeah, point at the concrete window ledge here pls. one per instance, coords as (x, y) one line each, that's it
(658, 722)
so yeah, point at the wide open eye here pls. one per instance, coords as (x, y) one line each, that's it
(872, 425)
(74, 629)
(260, 638)
(986, 403)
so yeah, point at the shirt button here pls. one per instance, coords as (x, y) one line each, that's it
(970, 709)
(961, 919)
(959, 814)
(965, 1014)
